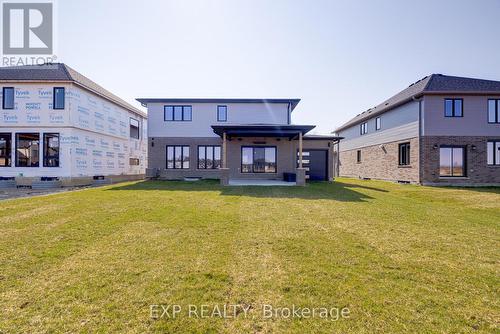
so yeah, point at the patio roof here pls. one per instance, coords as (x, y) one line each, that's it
(262, 130)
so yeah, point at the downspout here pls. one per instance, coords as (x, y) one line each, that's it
(420, 144)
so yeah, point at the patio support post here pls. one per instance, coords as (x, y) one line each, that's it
(300, 172)
(224, 146)
(300, 149)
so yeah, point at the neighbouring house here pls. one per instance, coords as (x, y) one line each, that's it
(59, 128)
(234, 140)
(441, 130)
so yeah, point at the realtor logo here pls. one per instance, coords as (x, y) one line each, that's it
(28, 28)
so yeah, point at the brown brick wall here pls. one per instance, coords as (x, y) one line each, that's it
(381, 163)
(478, 171)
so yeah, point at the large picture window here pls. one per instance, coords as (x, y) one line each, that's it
(493, 111)
(177, 113)
(177, 157)
(8, 98)
(209, 157)
(404, 154)
(50, 150)
(258, 159)
(134, 128)
(452, 161)
(493, 149)
(58, 98)
(27, 149)
(5, 149)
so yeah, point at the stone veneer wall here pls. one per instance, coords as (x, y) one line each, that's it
(381, 163)
(478, 171)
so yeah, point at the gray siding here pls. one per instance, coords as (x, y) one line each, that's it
(398, 124)
(473, 123)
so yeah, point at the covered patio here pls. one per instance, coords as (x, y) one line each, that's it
(268, 154)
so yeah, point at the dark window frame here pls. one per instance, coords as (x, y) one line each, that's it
(13, 98)
(464, 159)
(225, 114)
(495, 152)
(497, 111)
(453, 111)
(406, 159)
(8, 149)
(378, 123)
(358, 156)
(135, 160)
(183, 118)
(253, 154)
(45, 149)
(54, 98)
(213, 157)
(182, 156)
(363, 128)
(17, 154)
(138, 128)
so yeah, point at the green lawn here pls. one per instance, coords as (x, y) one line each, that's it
(401, 258)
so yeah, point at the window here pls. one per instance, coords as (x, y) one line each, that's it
(177, 113)
(451, 161)
(8, 98)
(58, 98)
(50, 150)
(258, 159)
(453, 107)
(493, 111)
(378, 124)
(5, 149)
(358, 156)
(27, 149)
(133, 162)
(493, 149)
(134, 128)
(404, 154)
(209, 157)
(221, 113)
(363, 128)
(177, 157)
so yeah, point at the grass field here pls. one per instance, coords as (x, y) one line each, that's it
(400, 258)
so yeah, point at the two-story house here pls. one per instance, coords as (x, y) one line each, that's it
(234, 140)
(58, 127)
(441, 130)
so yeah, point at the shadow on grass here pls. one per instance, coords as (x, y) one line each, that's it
(492, 190)
(336, 191)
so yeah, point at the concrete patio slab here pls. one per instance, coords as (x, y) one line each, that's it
(243, 182)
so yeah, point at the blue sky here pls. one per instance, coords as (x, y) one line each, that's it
(339, 57)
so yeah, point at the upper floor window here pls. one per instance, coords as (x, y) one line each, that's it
(58, 98)
(363, 128)
(493, 111)
(404, 154)
(8, 98)
(453, 107)
(177, 113)
(221, 113)
(134, 128)
(378, 123)
(5, 149)
(50, 150)
(493, 152)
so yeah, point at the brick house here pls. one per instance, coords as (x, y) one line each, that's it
(441, 130)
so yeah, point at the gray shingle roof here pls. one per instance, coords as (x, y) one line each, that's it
(432, 84)
(61, 72)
